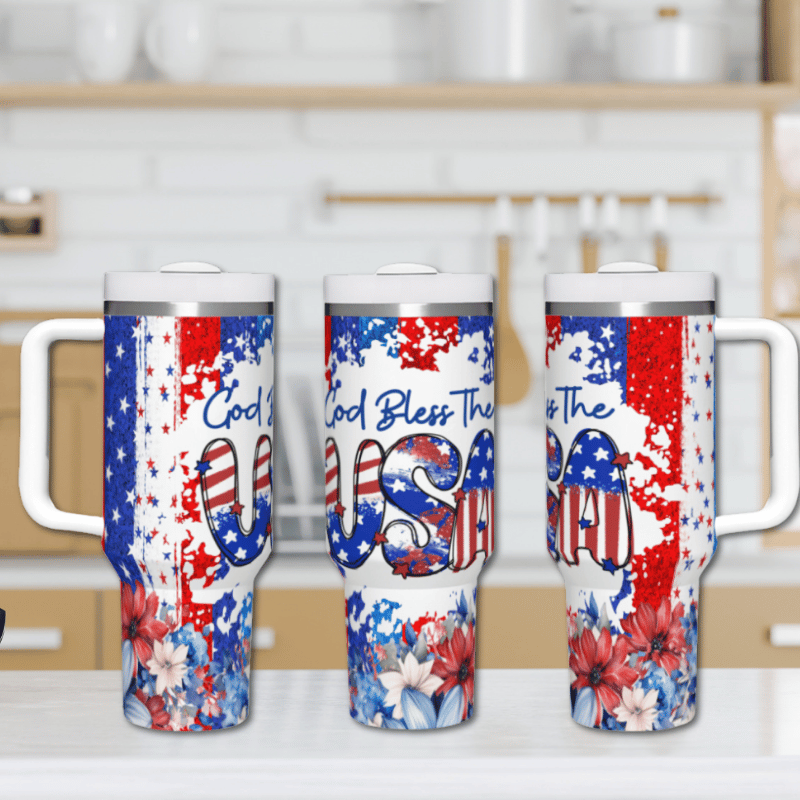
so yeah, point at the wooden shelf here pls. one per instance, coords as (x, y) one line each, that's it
(767, 96)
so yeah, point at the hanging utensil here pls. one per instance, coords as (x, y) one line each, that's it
(587, 222)
(513, 373)
(658, 224)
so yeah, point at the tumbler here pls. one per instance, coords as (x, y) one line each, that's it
(630, 395)
(187, 505)
(409, 471)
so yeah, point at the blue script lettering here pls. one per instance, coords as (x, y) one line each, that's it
(397, 405)
(572, 406)
(335, 412)
(232, 413)
(471, 408)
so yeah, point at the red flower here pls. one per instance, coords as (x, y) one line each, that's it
(456, 664)
(602, 667)
(155, 705)
(659, 635)
(139, 623)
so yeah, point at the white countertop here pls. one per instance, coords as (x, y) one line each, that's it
(63, 735)
(315, 571)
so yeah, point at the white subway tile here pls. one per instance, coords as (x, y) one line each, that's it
(211, 215)
(244, 30)
(363, 32)
(79, 262)
(35, 28)
(723, 129)
(143, 127)
(384, 170)
(450, 128)
(304, 262)
(588, 169)
(321, 71)
(59, 169)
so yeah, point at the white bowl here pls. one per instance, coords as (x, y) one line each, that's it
(670, 50)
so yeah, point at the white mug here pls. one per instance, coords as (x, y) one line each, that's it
(106, 39)
(181, 40)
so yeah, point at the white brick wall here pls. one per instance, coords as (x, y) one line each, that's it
(242, 188)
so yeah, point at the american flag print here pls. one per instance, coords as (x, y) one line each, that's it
(366, 509)
(641, 390)
(410, 399)
(594, 509)
(474, 531)
(187, 424)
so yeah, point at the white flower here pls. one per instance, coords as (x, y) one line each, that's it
(637, 709)
(412, 675)
(168, 665)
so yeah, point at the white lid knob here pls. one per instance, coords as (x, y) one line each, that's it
(190, 266)
(628, 266)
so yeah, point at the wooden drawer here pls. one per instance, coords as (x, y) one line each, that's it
(63, 621)
(518, 628)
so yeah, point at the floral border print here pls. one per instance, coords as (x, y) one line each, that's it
(639, 676)
(411, 657)
(181, 677)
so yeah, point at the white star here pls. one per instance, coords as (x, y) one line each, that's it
(600, 454)
(398, 486)
(363, 547)
(109, 473)
(261, 540)
(477, 452)
(240, 341)
(569, 468)
(124, 405)
(489, 453)
(432, 500)
(131, 496)
(125, 570)
(335, 537)
(578, 448)
(342, 555)
(484, 474)
(606, 332)
(594, 434)
(230, 536)
(120, 351)
(134, 331)
(110, 422)
(115, 515)
(120, 454)
(588, 473)
(132, 550)
(241, 552)
(108, 369)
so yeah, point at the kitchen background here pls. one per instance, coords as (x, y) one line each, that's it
(244, 188)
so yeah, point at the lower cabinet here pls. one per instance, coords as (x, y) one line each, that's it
(517, 628)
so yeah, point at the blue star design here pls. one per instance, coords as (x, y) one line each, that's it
(689, 563)
(708, 383)
(705, 503)
(167, 555)
(684, 520)
(697, 524)
(149, 338)
(203, 467)
(697, 327)
(696, 416)
(711, 358)
(170, 370)
(700, 458)
(481, 525)
(147, 429)
(702, 487)
(585, 523)
(148, 538)
(155, 502)
(154, 472)
(709, 537)
(693, 378)
(691, 591)
(146, 390)
(608, 566)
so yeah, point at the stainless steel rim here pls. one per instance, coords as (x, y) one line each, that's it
(681, 309)
(118, 308)
(408, 310)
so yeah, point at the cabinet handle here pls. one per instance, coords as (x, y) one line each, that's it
(787, 635)
(263, 639)
(32, 639)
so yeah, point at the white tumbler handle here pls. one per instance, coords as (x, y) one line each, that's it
(785, 439)
(34, 423)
